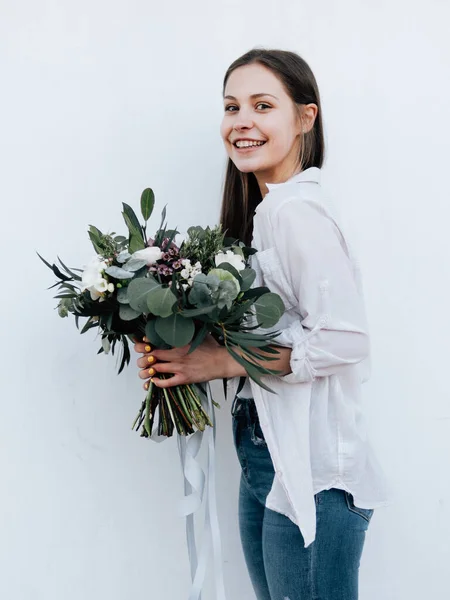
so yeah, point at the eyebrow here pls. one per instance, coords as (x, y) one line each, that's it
(253, 96)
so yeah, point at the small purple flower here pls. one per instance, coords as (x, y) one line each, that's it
(177, 264)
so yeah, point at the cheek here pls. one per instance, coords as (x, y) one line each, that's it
(281, 137)
(225, 131)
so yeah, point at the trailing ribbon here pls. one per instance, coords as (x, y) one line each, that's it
(199, 487)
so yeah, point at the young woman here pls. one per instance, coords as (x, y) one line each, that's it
(309, 480)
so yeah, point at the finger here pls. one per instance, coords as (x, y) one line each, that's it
(166, 367)
(173, 354)
(141, 348)
(169, 382)
(146, 361)
(148, 372)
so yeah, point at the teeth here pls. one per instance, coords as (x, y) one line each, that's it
(247, 144)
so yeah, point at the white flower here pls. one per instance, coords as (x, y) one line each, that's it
(110, 287)
(235, 260)
(150, 255)
(92, 279)
(190, 271)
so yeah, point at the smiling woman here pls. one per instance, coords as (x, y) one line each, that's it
(309, 481)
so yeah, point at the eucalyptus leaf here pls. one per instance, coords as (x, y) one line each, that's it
(226, 293)
(122, 296)
(255, 292)
(153, 337)
(195, 312)
(248, 276)
(120, 239)
(126, 313)
(138, 291)
(196, 231)
(118, 273)
(123, 256)
(269, 309)
(175, 330)
(147, 203)
(134, 264)
(161, 301)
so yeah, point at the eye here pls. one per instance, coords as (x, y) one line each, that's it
(263, 104)
(230, 106)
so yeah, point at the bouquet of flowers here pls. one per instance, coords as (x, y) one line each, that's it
(174, 295)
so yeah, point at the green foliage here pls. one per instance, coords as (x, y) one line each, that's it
(147, 203)
(175, 330)
(202, 245)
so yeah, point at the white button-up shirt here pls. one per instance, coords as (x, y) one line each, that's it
(313, 425)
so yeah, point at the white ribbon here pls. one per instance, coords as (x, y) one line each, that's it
(199, 487)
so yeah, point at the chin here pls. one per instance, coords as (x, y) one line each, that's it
(248, 166)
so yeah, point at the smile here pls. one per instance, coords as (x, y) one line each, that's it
(248, 143)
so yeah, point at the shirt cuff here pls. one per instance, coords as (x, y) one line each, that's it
(302, 370)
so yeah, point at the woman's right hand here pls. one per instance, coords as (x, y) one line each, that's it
(147, 361)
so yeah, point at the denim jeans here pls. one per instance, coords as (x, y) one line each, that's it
(279, 565)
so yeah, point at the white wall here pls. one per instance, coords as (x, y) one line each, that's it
(100, 99)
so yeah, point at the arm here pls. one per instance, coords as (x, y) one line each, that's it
(331, 332)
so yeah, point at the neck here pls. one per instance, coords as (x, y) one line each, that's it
(275, 176)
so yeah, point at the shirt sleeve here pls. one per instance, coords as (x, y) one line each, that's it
(331, 332)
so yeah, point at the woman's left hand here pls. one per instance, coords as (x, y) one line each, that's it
(208, 361)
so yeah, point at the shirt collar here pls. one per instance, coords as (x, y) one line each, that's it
(308, 175)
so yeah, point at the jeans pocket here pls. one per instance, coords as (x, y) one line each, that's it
(365, 513)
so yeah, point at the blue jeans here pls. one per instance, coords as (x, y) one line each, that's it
(279, 565)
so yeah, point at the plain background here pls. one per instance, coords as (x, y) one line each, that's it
(100, 99)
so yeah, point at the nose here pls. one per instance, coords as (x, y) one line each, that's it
(243, 121)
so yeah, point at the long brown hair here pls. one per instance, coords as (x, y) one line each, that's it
(241, 193)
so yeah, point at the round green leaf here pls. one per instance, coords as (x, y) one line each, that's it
(161, 301)
(175, 330)
(126, 313)
(118, 273)
(153, 337)
(138, 291)
(122, 296)
(269, 309)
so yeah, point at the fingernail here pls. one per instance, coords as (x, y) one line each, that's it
(151, 372)
(148, 348)
(146, 386)
(151, 359)
(145, 339)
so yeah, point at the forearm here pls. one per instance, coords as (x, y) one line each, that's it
(229, 367)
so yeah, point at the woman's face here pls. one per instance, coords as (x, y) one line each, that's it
(261, 128)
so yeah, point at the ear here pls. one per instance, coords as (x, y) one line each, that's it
(308, 116)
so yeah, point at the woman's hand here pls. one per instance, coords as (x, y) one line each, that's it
(208, 361)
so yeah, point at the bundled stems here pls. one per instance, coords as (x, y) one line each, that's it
(179, 407)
